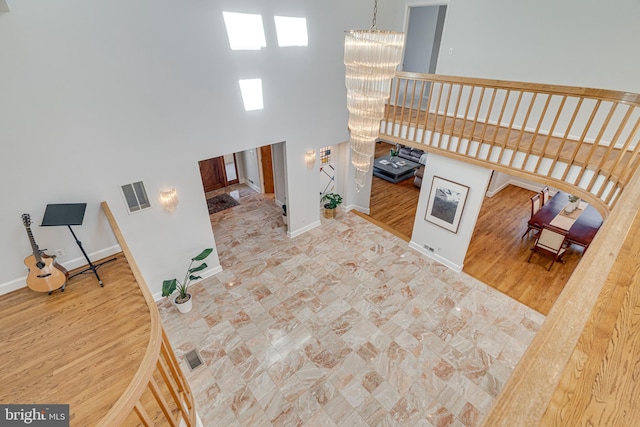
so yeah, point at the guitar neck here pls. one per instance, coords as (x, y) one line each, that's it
(34, 246)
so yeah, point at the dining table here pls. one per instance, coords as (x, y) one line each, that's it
(583, 224)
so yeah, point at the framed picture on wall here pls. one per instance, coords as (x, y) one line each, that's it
(446, 202)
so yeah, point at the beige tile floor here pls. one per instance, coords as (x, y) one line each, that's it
(344, 325)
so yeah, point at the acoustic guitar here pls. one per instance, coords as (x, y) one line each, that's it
(45, 274)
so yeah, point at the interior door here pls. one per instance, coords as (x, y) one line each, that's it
(212, 173)
(424, 35)
(267, 169)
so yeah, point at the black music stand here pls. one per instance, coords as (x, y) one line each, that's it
(72, 214)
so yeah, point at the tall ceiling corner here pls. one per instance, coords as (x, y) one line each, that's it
(4, 7)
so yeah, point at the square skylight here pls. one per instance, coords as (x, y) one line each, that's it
(251, 90)
(245, 31)
(291, 31)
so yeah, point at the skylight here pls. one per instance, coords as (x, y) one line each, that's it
(251, 90)
(245, 31)
(291, 31)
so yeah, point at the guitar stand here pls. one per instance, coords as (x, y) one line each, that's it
(93, 268)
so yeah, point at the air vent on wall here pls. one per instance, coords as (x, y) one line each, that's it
(135, 197)
(193, 359)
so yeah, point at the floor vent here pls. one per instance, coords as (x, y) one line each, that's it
(193, 359)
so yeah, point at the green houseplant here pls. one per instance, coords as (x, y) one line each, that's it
(333, 201)
(183, 300)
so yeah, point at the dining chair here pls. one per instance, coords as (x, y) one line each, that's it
(551, 242)
(535, 207)
(545, 194)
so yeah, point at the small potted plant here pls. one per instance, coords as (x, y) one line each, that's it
(333, 201)
(284, 214)
(183, 300)
(574, 201)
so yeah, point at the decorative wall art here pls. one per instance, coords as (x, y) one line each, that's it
(446, 202)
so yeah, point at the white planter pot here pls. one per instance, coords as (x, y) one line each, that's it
(572, 206)
(186, 306)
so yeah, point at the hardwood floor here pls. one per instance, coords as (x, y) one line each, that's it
(497, 254)
(393, 205)
(79, 347)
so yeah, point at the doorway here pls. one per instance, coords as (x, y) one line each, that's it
(424, 36)
(219, 172)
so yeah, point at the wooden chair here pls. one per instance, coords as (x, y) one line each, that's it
(535, 207)
(545, 194)
(551, 242)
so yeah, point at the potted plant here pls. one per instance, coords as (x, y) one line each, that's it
(333, 201)
(574, 201)
(183, 301)
(284, 214)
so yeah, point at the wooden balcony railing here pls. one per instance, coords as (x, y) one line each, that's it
(580, 140)
(159, 393)
(578, 370)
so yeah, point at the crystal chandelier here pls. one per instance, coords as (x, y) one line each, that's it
(371, 57)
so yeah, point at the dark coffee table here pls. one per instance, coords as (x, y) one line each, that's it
(396, 171)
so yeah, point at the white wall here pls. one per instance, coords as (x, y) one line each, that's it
(251, 169)
(103, 93)
(450, 248)
(573, 42)
(500, 180)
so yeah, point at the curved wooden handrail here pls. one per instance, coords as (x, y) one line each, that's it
(539, 87)
(157, 355)
(434, 113)
(605, 148)
(584, 141)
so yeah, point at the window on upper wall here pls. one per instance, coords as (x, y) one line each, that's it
(291, 31)
(245, 31)
(251, 90)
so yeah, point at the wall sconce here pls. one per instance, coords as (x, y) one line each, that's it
(310, 158)
(169, 199)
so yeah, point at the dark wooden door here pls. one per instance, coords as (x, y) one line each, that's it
(212, 173)
(267, 169)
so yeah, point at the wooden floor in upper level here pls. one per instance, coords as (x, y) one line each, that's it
(561, 149)
(497, 253)
(79, 347)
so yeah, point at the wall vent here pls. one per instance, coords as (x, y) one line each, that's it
(193, 359)
(135, 197)
(429, 248)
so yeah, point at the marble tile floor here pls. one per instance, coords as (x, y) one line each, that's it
(344, 325)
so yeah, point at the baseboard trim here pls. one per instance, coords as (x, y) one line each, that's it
(296, 233)
(349, 208)
(72, 264)
(526, 186)
(455, 267)
(13, 285)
